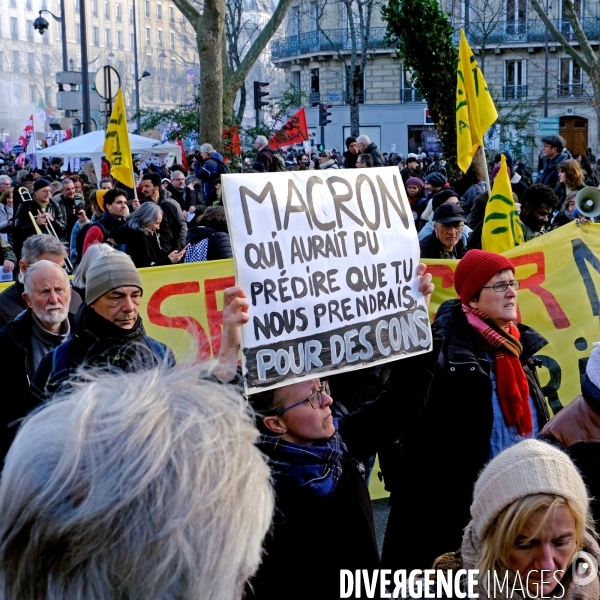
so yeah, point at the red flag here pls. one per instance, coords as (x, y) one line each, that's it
(25, 134)
(293, 132)
(184, 161)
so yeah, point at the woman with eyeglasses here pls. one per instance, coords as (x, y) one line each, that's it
(323, 520)
(484, 398)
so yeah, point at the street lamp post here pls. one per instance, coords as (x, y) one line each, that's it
(85, 76)
(136, 72)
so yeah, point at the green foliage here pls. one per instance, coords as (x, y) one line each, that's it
(422, 35)
(515, 127)
(186, 116)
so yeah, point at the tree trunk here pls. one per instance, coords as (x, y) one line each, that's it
(355, 117)
(209, 39)
(242, 106)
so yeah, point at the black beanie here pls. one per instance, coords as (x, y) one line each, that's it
(350, 140)
(441, 197)
(40, 183)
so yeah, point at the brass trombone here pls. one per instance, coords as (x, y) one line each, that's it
(26, 196)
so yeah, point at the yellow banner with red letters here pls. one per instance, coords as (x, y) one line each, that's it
(559, 297)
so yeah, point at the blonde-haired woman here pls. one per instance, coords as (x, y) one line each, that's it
(530, 520)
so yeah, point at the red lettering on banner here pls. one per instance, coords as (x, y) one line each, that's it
(213, 314)
(444, 272)
(189, 324)
(534, 284)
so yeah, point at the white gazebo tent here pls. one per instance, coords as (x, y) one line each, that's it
(90, 146)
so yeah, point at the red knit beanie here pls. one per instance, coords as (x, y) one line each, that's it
(475, 269)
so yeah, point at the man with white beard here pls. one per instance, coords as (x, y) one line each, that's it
(25, 340)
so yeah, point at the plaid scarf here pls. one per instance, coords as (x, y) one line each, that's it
(318, 466)
(511, 381)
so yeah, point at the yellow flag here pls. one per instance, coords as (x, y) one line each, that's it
(116, 144)
(501, 225)
(475, 110)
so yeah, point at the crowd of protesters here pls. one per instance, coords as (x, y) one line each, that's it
(128, 476)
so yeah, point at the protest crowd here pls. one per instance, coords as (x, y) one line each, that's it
(126, 475)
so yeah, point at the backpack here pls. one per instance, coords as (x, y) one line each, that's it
(222, 168)
(279, 163)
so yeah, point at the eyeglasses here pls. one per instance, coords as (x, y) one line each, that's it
(315, 399)
(502, 286)
(456, 225)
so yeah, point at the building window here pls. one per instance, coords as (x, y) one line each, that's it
(185, 42)
(44, 4)
(174, 94)
(29, 29)
(570, 78)
(13, 3)
(461, 12)
(172, 40)
(131, 41)
(516, 17)
(359, 87)
(95, 36)
(1, 61)
(314, 16)
(76, 6)
(148, 36)
(408, 92)
(159, 11)
(32, 94)
(29, 5)
(173, 68)
(147, 8)
(172, 14)
(94, 8)
(294, 21)
(295, 79)
(120, 40)
(107, 38)
(150, 92)
(159, 37)
(18, 91)
(14, 28)
(47, 95)
(118, 13)
(16, 62)
(161, 93)
(161, 69)
(131, 15)
(106, 10)
(514, 80)
(78, 33)
(31, 62)
(46, 64)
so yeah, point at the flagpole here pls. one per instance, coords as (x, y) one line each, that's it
(485, 168)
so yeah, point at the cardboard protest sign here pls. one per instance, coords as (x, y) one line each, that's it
(329, 261)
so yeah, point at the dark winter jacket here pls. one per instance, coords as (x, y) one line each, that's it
(443, 452)
(17, 399)
(576, 429)
(373, 150)
(215, 244)
(186, 197)
(432, 248)
(173, 228)
(407, 173)
(24, 228)
(549, 175)
(350, 160)
(208, 172)
(266, 157)
(144, 248)
(104, 228)
(97, 342)
(340, 524)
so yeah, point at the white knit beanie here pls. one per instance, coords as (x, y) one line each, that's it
(593, 365)
(527, 468)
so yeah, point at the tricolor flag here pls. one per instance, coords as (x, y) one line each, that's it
(41, 110)
(475, 110)
(24, 137)
(501, 225)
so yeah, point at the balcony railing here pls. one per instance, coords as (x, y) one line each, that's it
(360, 97)
(514, 92)
(531, 31)
(323, 40)
(314, 98)
(570, 90)
(410, 95)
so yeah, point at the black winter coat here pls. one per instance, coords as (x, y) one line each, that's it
(23, 227)
(144, 249)
(17, 400)
(444, 451)
(97, 342)
(11, 302)
(576, 430)
(313, 538)
(431, 248)
(375, 152)
(219, 243)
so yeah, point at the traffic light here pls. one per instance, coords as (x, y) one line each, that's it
(259, 93)
(323, 114)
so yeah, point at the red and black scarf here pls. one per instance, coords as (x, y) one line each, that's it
(511, 381)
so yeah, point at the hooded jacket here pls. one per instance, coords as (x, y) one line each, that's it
(373, 150)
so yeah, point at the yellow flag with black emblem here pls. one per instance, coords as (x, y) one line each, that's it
(501, 225)
(475, 110)
(116, 144)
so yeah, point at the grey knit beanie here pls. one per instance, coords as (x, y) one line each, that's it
(109, 272)
(527, 468)
(592, 369)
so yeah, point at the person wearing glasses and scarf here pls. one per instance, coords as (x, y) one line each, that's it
(485, 397)
(323, 520)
